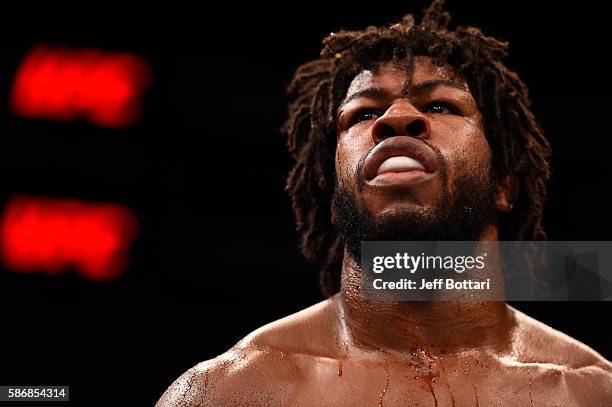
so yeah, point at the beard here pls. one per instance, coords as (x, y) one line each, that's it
(460, 216)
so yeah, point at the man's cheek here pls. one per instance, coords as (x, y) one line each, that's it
(478, 156)
(468, 162)
(347, 162)
(344, 172)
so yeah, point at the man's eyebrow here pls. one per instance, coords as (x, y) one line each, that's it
(373, 92)
(382, 93)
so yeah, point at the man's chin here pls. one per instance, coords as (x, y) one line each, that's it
(399, 211)
(458, 217)
(404, 223)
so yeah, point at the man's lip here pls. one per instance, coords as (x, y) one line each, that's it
(399, 146)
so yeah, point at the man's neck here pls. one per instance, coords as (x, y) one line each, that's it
(402, 326)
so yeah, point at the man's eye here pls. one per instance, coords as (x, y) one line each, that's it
(441, 108)
(365, 115)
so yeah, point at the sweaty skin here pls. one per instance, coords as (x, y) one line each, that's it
(346, 351)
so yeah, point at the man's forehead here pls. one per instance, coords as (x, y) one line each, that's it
(394, 76)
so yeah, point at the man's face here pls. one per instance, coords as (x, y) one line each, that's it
(412, 156)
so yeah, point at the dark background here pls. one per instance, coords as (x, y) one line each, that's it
(204, 170)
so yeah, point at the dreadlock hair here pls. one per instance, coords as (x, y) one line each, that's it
(517, 142)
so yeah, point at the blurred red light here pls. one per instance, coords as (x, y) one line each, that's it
(52, 235)
(64, 84)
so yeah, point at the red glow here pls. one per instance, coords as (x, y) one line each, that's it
(63, 84)
(51, 235)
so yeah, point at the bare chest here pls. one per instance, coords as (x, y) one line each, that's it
(354, 383)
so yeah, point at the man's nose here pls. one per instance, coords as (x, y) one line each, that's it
(401, 119)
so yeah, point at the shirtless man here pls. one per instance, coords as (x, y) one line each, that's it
(472, 166)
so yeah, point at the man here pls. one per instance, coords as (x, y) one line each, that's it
(407, 132)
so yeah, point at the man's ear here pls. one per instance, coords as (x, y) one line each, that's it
(507, 192)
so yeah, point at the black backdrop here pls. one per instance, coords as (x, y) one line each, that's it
(204, 170)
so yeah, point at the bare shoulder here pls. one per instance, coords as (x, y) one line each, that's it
(265, 368)
(557, 357)
(313, 331)
(539, 342)
(240, 376)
